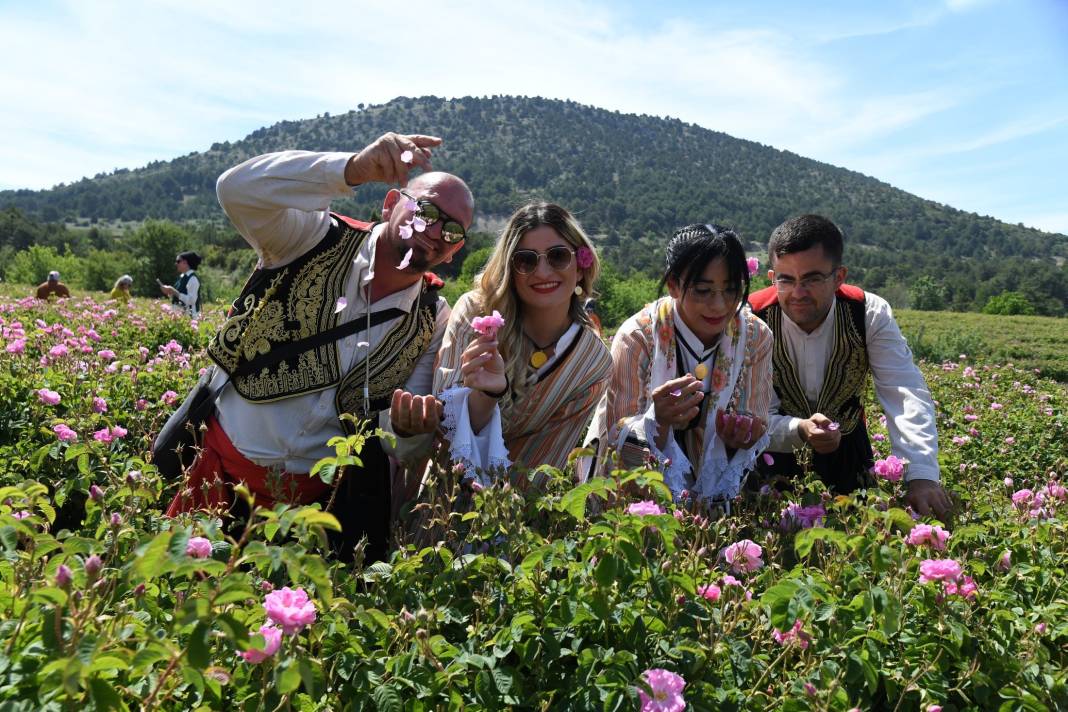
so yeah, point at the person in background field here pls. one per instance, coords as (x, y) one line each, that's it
(362, 317)
(691, 374)
(828, 337)
(523, 391)
(591, 311)
(52, 287)
(186, 291)
(121, 290)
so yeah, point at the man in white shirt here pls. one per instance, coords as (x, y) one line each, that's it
(322, 275)
(828, 337)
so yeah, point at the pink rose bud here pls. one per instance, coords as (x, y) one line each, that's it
(116, 519)
(63, 576)
(139, 590)
(96, 494)
(93, 565)
(266, 586)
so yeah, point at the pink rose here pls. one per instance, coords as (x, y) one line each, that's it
(100, 405)
(744, 556)
(752, 264)
(709, 592)
(64, 433)
(290, 609)
(584, 258)
(272, 641)
(939, 570)
(488, 325)
(666, 687)
(890, 469)
(198, 547)
(48, 397)
(645, 508)
(794, 634)
(170, 397)
(934, 536)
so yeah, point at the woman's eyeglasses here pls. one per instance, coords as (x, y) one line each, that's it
(705, 295)
(451, 229)
(557, 257)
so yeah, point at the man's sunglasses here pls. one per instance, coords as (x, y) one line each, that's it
(451, 230)
(558, 257)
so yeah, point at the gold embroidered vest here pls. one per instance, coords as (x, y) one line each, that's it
(297, 301)
(841, 397)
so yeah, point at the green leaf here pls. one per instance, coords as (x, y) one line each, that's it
(152, 560)
(198, 654)
(50, 594)
(806, 538)
(316, 517)
(777, 599)
(387, 699)
(287, 678)
(104, 695)
(605, 573)
(312, 677)
(83, 464)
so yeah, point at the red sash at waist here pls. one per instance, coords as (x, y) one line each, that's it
(209, 482)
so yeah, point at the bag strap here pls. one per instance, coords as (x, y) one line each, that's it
(314, 341)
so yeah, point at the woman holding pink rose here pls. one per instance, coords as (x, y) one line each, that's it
(521, 367)
(691, 374)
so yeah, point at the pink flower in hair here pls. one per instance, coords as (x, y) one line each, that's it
(584, 257)
(488, 325)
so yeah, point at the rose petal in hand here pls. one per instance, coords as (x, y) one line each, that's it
(407, 258)
(407, 156)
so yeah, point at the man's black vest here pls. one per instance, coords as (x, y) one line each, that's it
(840, 399)
(292, 303)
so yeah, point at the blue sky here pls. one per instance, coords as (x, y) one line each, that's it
(960, 101)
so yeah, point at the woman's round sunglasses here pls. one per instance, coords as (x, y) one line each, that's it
(451, 230)
(558, 257)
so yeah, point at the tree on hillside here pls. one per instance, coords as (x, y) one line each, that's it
(927, 295)
(1009, 303)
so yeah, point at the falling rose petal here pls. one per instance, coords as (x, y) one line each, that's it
(406, 231)
(407, 156)
(833, 426)
(677, 392)
(341, 304)
(363, 345)
(768, 459)
(418, 224)
(407, 258)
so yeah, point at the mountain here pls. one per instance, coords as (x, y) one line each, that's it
(630, 179)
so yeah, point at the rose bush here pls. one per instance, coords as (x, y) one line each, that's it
(563, 597)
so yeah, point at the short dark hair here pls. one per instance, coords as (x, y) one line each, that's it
(805, 232)
(693, 247)
(191, 257)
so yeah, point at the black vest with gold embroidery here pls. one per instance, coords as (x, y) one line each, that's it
(840, 399)
(297, 301)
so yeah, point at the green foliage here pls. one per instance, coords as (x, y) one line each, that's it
(927, 295)
(622, 297)
(1031, 342)
(32, 265)
(1009, 303)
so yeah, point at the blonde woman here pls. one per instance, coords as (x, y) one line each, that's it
(522, 392)
(121, 290)
(691, 373)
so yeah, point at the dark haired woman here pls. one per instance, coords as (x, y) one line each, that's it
(524, 391)
(691, 372)
(186, 291)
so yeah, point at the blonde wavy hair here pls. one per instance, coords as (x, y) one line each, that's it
(494, 288)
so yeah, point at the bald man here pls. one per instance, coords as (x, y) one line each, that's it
(355, 312)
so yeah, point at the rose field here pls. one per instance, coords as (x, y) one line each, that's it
(602, 596)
